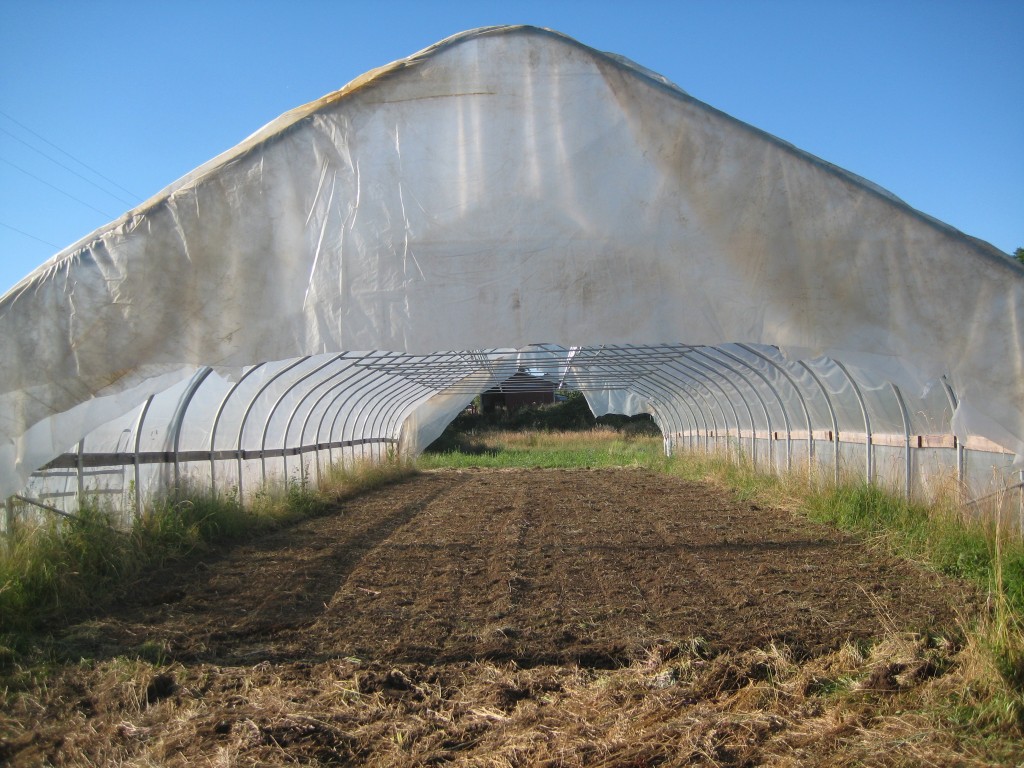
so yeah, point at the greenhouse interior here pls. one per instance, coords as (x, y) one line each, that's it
(344, 282)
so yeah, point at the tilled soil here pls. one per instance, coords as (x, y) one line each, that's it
(416, 586)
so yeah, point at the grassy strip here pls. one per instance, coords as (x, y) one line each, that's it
(66, 566)
(600, 447)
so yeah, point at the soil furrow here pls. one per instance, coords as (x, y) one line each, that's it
(533, 566)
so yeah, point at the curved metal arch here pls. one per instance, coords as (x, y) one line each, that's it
(664, 398)
(273, 409)
(696, 426)
(644, 387)
(248, 410)
(384, 382)
(905, 415)
(686, 398)
(832, 416)
(216, 421)
(354, 372)
(712, 379)
(400, 410)
(778, 397)
(757, 394)
(349, 390)
(680, 386)
(954, 403)
(312, 409)
(137, 448)
(348, 395)
(869, 459)
(697, 381)
(295, 409)
(694, 367)
(666, 411)
(673, 366)
(799, 394)
(394, 386)
(179, 418)
(642, 382)
(746, 404)
(676, 403)
(376, 417)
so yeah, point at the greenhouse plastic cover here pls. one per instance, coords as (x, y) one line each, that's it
(504, 187)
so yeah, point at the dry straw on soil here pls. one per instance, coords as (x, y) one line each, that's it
(673, 706)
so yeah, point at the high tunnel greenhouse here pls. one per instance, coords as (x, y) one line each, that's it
(341, 284)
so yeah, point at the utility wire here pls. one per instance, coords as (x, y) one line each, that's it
(68, 168)
(26, 234)
(68, 194)
(84, 165)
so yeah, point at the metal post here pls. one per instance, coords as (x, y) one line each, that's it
(953, 404)
(906, 436)
(80, 469)
(800, 397)
(216, 421)
(869, 457)
(179, 419)
(138, 446)
(832, 416)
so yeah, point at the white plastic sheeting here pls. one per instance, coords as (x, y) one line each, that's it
(504, 187)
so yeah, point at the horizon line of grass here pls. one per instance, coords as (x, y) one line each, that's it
(525, 449)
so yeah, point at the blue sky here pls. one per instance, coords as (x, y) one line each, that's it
(923, 98)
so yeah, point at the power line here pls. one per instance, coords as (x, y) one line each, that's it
(68, 194)
(63, 151)
(26, 234)
(68, 168)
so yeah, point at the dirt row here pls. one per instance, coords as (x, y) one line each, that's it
(553, 569)
(541, 566)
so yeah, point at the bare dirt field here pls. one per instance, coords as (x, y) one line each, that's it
(507, 617)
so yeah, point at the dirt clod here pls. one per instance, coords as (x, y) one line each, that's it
(160, 687)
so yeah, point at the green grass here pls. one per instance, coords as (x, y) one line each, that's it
(601, 447)
(69, 565)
